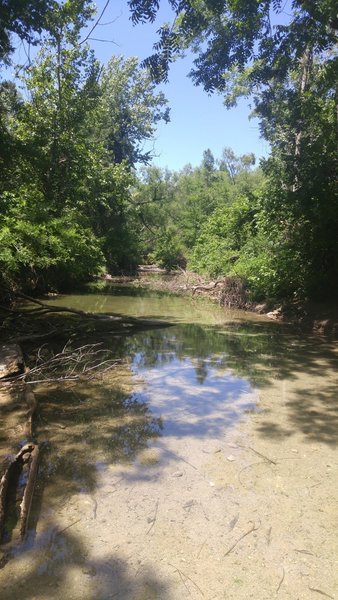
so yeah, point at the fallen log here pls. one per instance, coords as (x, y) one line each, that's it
(26, 504)
(207, 286)
(21, 474)
(25, 462)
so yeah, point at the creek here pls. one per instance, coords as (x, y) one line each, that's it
(201, 466)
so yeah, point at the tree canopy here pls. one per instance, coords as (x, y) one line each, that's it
(78, 195)
(29, 18)
(68, 147)
(229, 36)
(284, 56)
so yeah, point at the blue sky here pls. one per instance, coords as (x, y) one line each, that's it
(198, 121)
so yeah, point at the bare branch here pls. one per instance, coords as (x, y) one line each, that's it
(96, 23)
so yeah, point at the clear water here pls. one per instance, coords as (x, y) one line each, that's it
(175, 393)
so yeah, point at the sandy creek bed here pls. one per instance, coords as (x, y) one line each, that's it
(203, 466)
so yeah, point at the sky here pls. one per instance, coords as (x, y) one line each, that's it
(197, 121)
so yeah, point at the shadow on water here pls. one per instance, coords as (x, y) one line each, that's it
(202, 378)
(61, 557)
(90, 425)
(312, 412)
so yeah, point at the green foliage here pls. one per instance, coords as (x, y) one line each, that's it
(67, 150)
(29, 18)
(234, 165)
(70, 202)
(190, 215)
(222, 237)
(130, 110)
(290, 68)
(231, 37)
(167, 252)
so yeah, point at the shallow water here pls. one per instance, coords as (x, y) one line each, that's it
(147, 472)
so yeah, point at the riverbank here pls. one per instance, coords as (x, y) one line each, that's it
(319, 318)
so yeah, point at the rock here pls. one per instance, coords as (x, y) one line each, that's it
(11, 360)
(90, 570)
(275, 314)
(261, 308)
(189, 504)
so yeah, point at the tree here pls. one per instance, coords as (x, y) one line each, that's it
(230, 36)
(68, 149)
(222, 237)
(46, 233)
(234, 165)
(289, 65)
(131, 109)
(158, 217)
(27, 19)
(174, 208)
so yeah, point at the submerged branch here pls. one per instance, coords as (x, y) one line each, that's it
(44, 309)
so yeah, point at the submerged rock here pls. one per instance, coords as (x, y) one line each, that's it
(11, 360)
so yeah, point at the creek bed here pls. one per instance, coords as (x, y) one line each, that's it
(203, 466)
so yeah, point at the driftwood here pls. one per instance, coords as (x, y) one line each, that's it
(208, 286)
(70, 364)
(24, 466)
(151, 268)
(25, 462)
(26, 504)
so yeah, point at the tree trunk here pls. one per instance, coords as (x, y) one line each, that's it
(305, 72)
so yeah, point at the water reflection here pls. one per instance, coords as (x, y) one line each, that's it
(90, 425)
(165, 408)
(248, 350)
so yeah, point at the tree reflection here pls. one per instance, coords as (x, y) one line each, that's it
(90, 423)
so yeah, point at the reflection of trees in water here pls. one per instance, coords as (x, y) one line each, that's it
(97, 297)
(260, 353)
(250, 350)
(89, 422)
(201, 370)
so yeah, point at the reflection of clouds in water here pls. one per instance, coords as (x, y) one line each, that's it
(190, 407)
